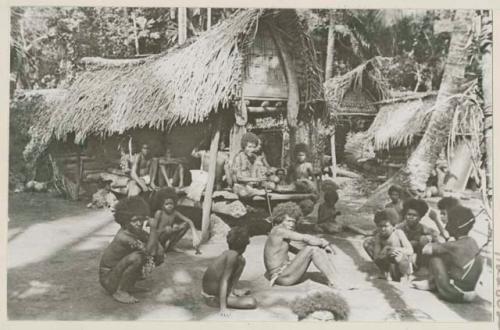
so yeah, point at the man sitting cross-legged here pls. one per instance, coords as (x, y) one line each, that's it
(224, 272)
(280, 268)
(123, 260)
(456, 265)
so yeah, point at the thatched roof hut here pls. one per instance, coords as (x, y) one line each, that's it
(184, 85)
(355, 92)
(400, 119)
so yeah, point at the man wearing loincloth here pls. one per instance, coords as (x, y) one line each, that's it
(280, 268)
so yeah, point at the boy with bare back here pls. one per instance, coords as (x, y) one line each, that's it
(224, 272)
(280, 268)
(143, 172)
(456, 265)
(123, 260)
(172, 225)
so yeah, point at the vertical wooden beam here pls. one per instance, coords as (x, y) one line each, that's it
(78, 173)
(333, 152)
(207, 200)
(209, 18)
(182, 25)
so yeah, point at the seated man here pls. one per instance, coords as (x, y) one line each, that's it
(455, 266)
(222, 159)
(123, 260)
(142, 173)
(223, 274)
(171, 170)
(327, 214)
(244, 168)
(417, 233)
(444, 205)
(389, 248)
(280, 268)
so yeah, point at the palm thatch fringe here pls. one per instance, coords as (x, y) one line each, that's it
(183, 85)
(366, 77)
(403, 117)
(99, 62)
(398, 122)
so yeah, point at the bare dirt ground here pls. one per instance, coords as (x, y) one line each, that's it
(55, 245)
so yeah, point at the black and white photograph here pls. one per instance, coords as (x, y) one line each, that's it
(250, 164)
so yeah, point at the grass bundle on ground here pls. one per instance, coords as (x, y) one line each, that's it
(321, 301)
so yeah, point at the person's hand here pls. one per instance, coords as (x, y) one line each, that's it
(196, 240)
(225, 313)
(153, 223)
(397, 254)
(427, 249)
(324, 243)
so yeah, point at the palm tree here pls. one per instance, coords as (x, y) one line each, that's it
(420, 164)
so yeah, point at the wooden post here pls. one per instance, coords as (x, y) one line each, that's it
(182, 25)
(209, 18)
(136, 36)
(333, 152)
(207, 200)
(78, 173)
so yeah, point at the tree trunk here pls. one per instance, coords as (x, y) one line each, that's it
(209, 18)
(330, 49)
(136, 36)
(487, 81)
(330, 55)
(207, 200)
(182, 25)
(420, 164)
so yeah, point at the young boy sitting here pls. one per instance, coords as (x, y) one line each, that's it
(224, 272)
(455, 266)
(302, 172)
(417, 233)
(172, 225)
(396, 194)
(390, 249)
(123, 260)
(327, 214)
(282, 270)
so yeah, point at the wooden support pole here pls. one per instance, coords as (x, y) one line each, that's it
(209, 18)
(333, 152)
(207, 200)
(182, 25)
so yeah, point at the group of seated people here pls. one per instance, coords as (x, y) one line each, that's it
(400, 245)
(410, 237)
(248, 173)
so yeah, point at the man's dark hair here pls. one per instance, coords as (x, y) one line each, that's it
(238, 238)
(249, 138)
(396, 189)
(418, 205)
(460, 221)
(301, 147)
(447, 203)
(281, 210)
(386, 215)
(130, 207)
(331, 197)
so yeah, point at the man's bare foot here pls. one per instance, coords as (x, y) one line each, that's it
(124, 297)
(139, 289)
(422, 285)
(241, 292)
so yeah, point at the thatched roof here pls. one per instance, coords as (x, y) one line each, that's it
(181, 86)
(400, 118)
(356, 90)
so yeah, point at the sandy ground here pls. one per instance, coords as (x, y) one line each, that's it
(54, 248)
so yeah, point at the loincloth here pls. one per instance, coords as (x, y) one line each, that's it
(273, 274)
